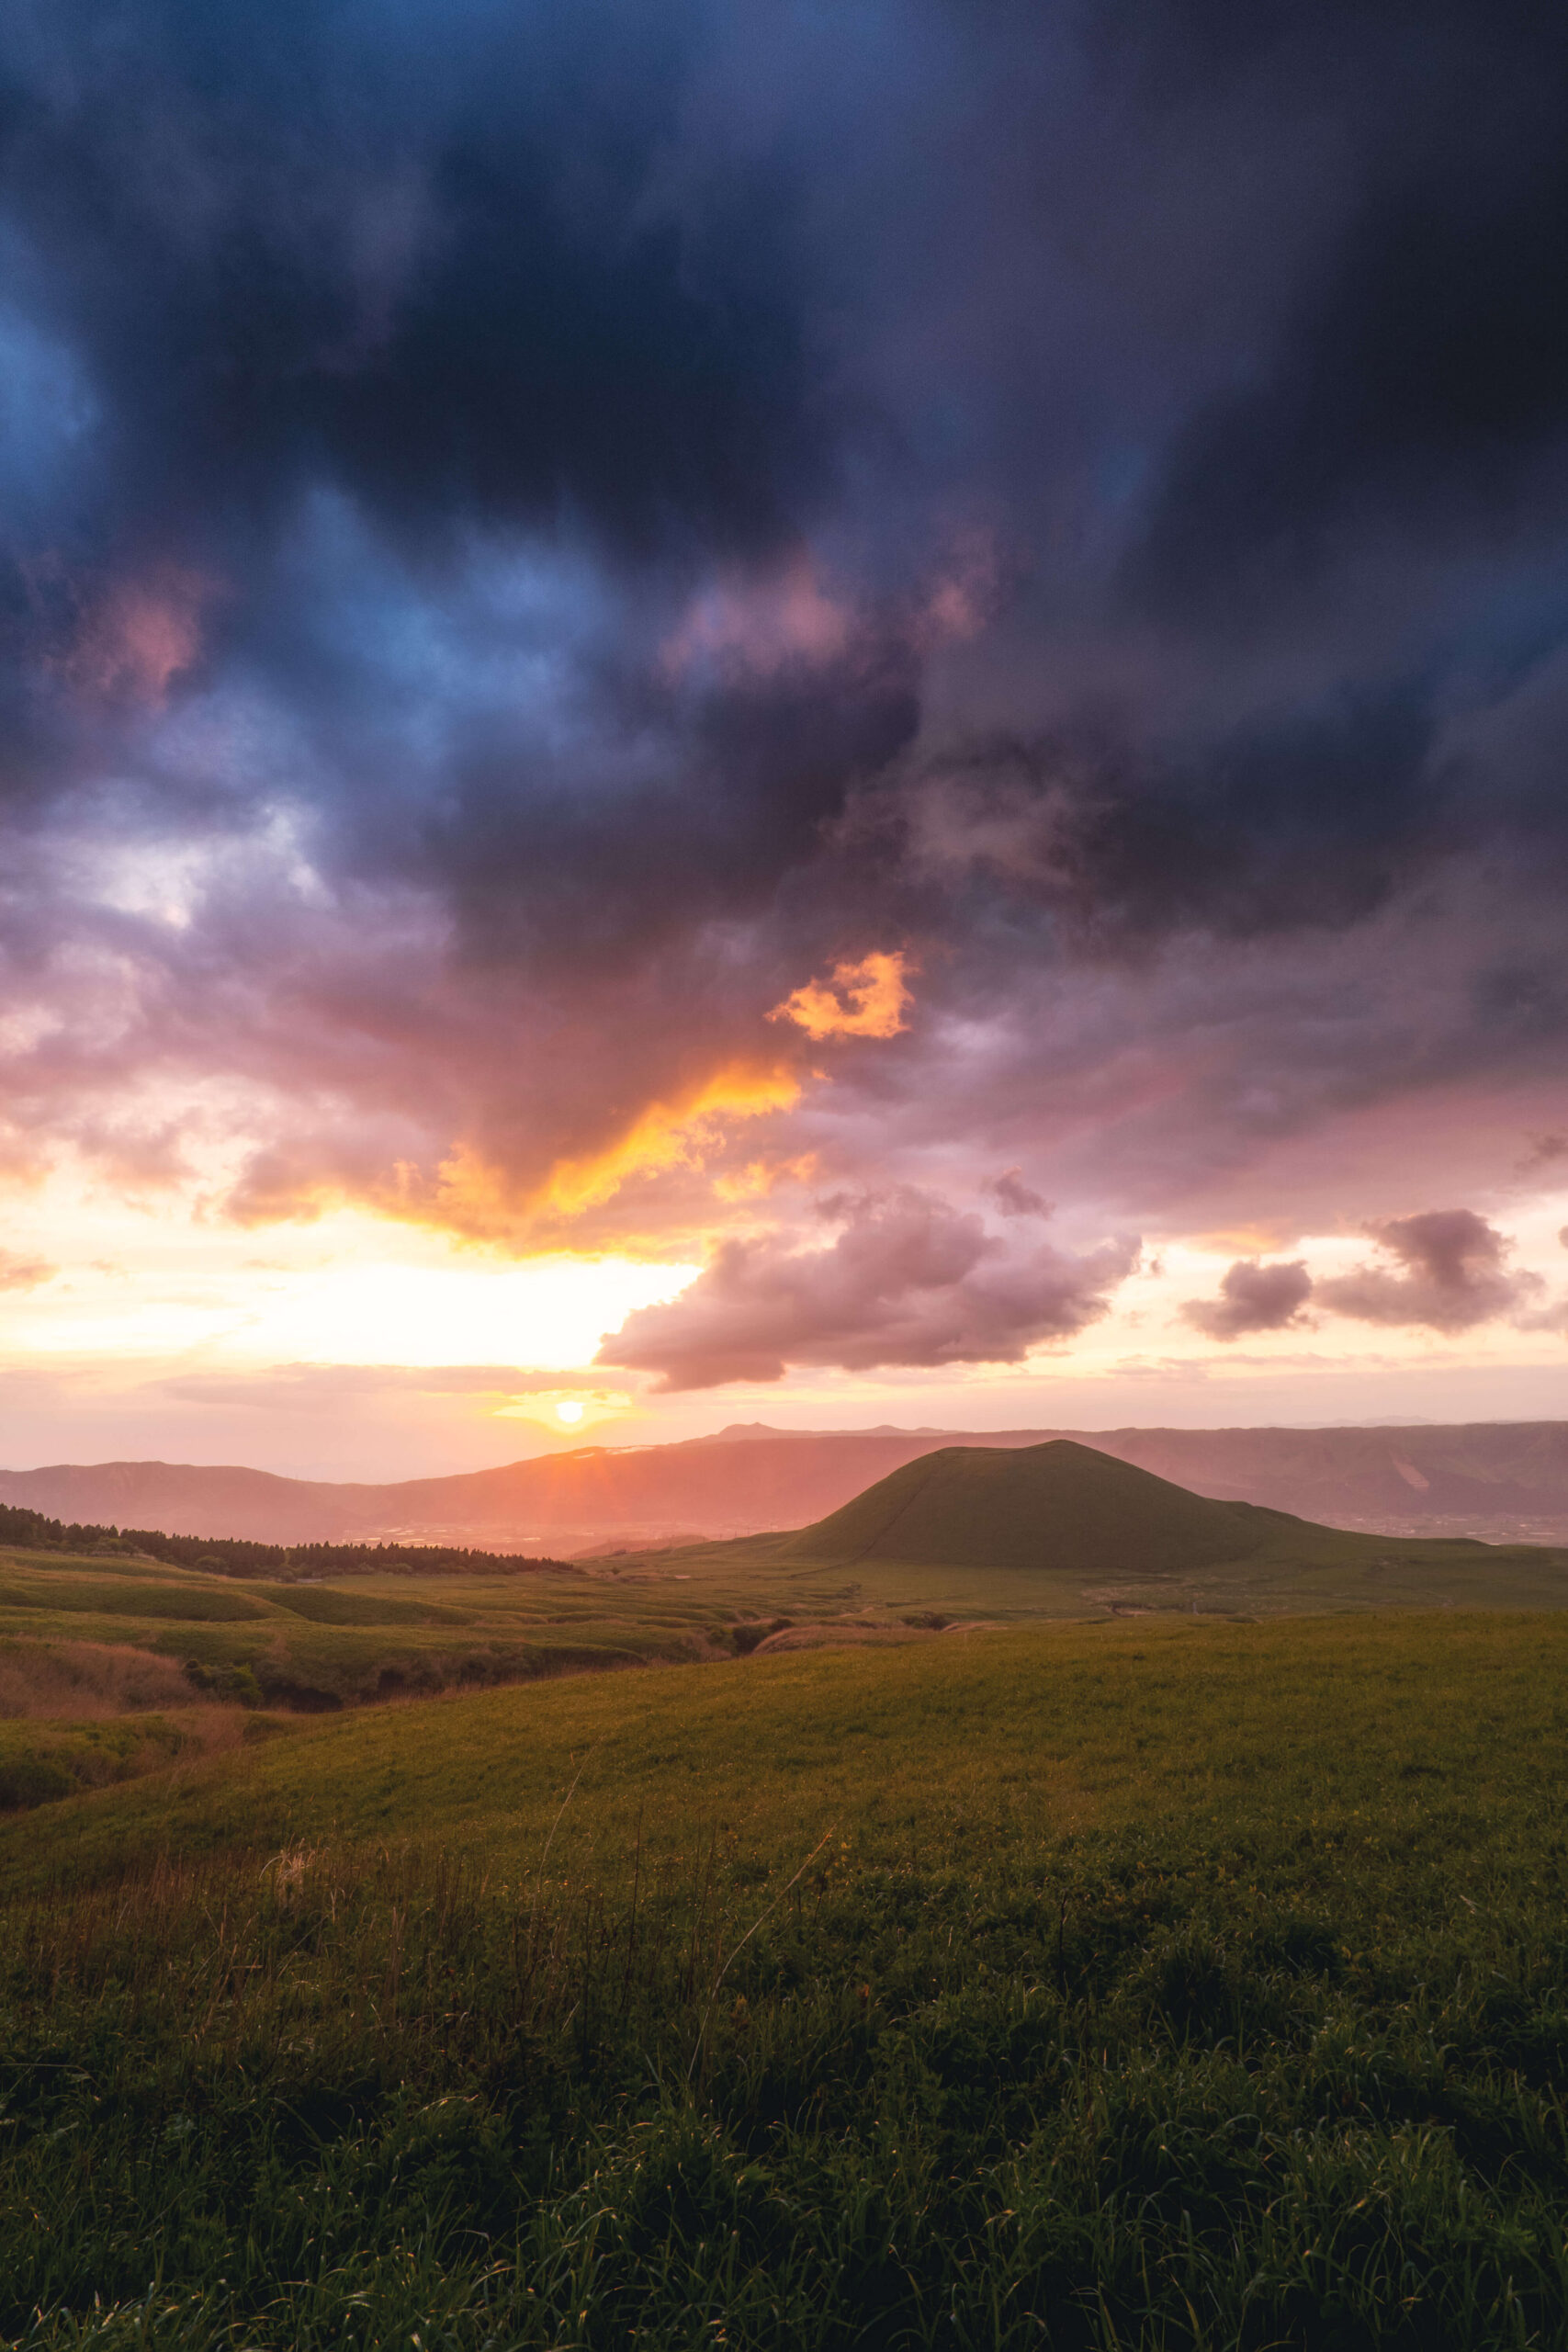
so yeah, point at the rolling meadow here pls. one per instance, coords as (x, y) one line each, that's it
(1107, 1985)
(891, 1978)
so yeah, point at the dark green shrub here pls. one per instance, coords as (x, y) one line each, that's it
(31, 1781)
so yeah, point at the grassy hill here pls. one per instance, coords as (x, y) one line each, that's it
(1060, 1530)
(1058, 1507)
(1105, 1986)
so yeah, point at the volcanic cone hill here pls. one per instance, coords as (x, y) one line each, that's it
(1057, 1506)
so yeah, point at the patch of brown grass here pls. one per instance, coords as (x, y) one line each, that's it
(85, 1680)
(839, 1633)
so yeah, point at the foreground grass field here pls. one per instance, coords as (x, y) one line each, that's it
(1149, 1984)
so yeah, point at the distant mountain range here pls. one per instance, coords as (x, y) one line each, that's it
(1488, 1478)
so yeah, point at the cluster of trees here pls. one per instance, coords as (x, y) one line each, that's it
(235, 1556)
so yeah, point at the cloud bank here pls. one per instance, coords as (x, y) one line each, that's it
(616, 621)
(1445, 1270)
(1442, 1270)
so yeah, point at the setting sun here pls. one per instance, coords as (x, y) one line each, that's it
(569, 1410)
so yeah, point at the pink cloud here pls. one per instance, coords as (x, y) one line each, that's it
(1253, 1297)
(24, 1274)
(1446, 1270)
(141, 636)
(910, 1280)
(759, 628)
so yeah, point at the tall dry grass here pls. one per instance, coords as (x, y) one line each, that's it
(87, 1680)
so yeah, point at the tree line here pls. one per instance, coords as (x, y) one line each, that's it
(232, 1555)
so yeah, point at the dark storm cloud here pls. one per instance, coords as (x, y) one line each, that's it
(446, 270)
(425, 256)
(910, 1280)
(1421, 375)
(531, 535)
(748, 781)
(1253, 1297)
(1312, 818)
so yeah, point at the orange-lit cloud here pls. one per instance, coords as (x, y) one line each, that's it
(474, 1194)
(17, 1273)
(759, 1177)
(864, 999)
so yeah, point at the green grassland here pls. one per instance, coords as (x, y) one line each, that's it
(1036, 1906)
(1297, 1569)
(40, 1764)
(317, 1646)
(1165, 1982)
(1048, 1532)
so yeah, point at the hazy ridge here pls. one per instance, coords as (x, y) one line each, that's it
(1493, 1480)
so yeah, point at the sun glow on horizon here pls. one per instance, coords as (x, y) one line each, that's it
(120, 1284)
(130, 1334)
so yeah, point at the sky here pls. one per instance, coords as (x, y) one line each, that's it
(746, 712)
